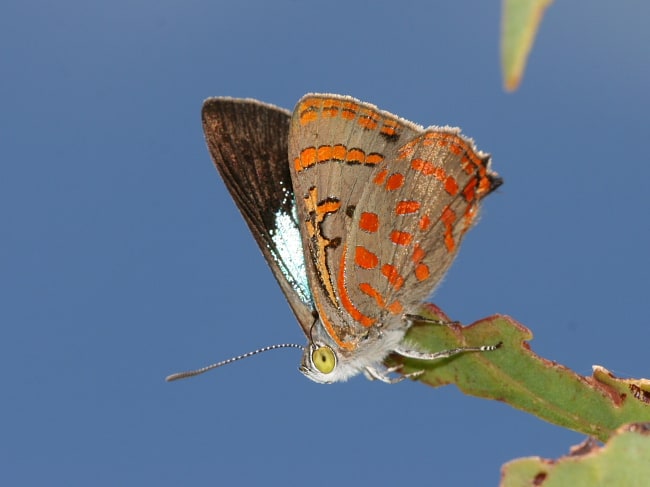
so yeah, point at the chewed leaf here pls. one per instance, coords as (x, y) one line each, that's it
(639, 389)
(515, 375)
(622, 461)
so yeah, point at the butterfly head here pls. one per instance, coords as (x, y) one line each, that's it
(323, 364)
(323, 361)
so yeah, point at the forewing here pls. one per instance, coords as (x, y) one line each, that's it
(336, 146)
(248, 142)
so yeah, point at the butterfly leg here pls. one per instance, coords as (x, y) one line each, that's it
(410, 318)
(420, 355)
(375, 374)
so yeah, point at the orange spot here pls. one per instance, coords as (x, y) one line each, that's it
(395, 308)
(472, 163)
(451, 186)
(421, 272)
(311, 103)
(356, 156)
(418, 253)
(381, 177)
(430, 139)
(324, 153)
(297, 165)
(339, 152)
(374, 158)
(476, 160)
(449, 218)
(328, 207)
(425, 223)
(350, 110)
(449, 242)
(393, 276)
(401, 238)
(469, 192)
(406, 207)
(356, 315)
(364, 258)
(309, 111)
(440, 139)
(395, 181)
(308, 157)
(368, 120)
(331, 108)
(468, 217)
(429, 169)
(456, 149)
(484, 185)
(422, 166)
(369, 222)
(366, 288)
(389, 128)
(308, 116)
(331, 103)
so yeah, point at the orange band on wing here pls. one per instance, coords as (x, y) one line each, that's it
(313, 109)
(329, 328)
(356, 315)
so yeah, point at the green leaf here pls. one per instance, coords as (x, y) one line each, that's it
(513, 374)
(519, 24)
(624, 460)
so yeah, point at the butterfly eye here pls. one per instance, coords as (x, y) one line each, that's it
(324, 359)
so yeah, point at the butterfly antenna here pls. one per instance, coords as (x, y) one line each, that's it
(311, 329)
(192, 373)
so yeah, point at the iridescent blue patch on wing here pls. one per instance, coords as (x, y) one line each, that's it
(291, 260)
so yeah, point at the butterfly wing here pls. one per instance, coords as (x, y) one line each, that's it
(336, 146)
(423, 201)
(248, 142)
(385, 205)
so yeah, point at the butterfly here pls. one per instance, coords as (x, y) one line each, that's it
(359, 214)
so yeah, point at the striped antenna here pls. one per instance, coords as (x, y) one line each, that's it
(192, 373)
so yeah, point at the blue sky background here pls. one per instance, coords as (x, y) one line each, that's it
(123, 258)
